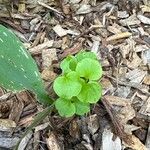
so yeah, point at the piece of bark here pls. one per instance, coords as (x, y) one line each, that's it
(8, 142)
(38, 49)
(16, 110)
(25, 141)
(108, 143)
(36, 140)
(7, 125)
(145, 109)
(147, 144)
(52, 142)
(60, 31)
(118, 126)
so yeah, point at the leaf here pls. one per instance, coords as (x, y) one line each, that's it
(68, 85)
(81, 55)
(18, 70)
(65, 107)
(68, 64)
(38, 118)
(81, 108)
(90, 92)
(89, 69)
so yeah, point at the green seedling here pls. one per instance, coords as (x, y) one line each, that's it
(78, 85)
(18, 70)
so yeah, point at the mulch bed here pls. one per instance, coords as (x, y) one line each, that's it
(118, 32)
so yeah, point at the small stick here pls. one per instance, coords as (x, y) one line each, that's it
(118, 127)
(118, 36)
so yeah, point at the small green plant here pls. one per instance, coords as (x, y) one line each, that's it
(18, 70)
(78, 85)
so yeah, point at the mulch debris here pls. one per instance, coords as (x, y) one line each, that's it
(118, 32)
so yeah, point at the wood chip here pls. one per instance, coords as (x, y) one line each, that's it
(93, 124)
(38, 49)
(126, 111)
(132, 20)
(52, 142)
(48, 55)
(135, 76)
(136, 61)
(147, 80)
(144, 19)
(119, 36)
(108, 143)
(59, 30)
(145, 109)
(25, 141)
(7, 125)
(147, 144)
(8, 143)
(84, 9)
(136, 144)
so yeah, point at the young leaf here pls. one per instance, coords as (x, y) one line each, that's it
(65, 107)
(90, 92)
(68, 64)
(89, 69)
(81, 55)
(18, 70)
(81, 108)
(67, 86)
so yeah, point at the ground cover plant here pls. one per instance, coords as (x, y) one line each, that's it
(77, 87)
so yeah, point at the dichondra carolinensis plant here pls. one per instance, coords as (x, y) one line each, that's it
(78, 85)
(18, 70)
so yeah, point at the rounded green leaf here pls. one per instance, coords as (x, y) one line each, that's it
(67, 86)
(68, 64)
(81, 108)
(81, 55)
(90, 92)
(89, 69)
(65, 107)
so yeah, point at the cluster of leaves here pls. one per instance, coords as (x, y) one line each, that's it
(78, 85)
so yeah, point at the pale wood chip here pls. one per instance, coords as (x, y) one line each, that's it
(119, 36)
(144, 19)
(145, 109)
(7, 125)
(52, 142)
(147, 144)
(132, 20)
(136, 144)
(136, 75)
(48, 55)
(108, 143)
(145, 9)
(25, 141)
(123, 107)
(147, 80)
(84, 9)
(136, 61)
(59, 30)
(8, 142)
(38, 49)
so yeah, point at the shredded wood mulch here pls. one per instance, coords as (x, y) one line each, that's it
(118, 32)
